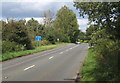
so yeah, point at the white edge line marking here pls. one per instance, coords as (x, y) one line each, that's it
(51, 57)
(29, 67)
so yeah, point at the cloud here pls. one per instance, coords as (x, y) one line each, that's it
(34, 6)
(83, 24)
(82, 21)
(0, 10)
(37, 0)
(40, 20)
(32, 9)
(24, 9)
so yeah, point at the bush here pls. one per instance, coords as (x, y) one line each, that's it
(17, 32)
(108, 52)
(8, 46)
(81, 41)
(45, 42)
(39, 43)
(85, 41)
(65, 38)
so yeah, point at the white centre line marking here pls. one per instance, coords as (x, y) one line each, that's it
(31, 59)
(71, 48)
(29, 67)
(61, 53)
(5, 77)
(67, 50)
(51, 57)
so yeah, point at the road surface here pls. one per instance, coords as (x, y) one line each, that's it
(59, 64)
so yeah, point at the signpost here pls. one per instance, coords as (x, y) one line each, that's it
(38, 38)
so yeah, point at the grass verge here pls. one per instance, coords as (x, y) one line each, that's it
(92, 71)
(11, 55)
(89, 66)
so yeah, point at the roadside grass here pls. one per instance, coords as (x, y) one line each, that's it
(11, 55)
(89, 67)
(92, 71)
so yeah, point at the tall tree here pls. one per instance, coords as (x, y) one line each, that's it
(48, 18)
(103, 14)
(49, 29)
(66, 22)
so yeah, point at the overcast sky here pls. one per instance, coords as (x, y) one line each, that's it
(21, 10)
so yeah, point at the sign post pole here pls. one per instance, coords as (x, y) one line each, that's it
(38, 38)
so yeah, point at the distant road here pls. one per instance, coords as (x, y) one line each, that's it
(59, 64)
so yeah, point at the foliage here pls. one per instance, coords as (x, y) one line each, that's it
(8, 46)
(108, 52)
(83, 37)
(85, 41)
(40, 43)
(51, 35)
(16, 32)
(89, 68)
(33, 28)
(49, 29)
(104, 35)
(92, 70)
(48, 20)
(103, 14)
(66, 22)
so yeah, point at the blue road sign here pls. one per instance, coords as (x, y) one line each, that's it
(38, 38)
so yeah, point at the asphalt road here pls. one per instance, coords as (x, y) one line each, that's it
(59, 64)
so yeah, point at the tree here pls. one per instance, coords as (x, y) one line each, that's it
(105, 35)
(66, 23)
(49, 29)
(48, 20)
(32, 28)
(16, 32)
(41, 30)
(103, 14)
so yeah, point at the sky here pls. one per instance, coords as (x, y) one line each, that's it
(35, 9)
